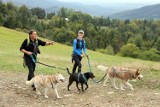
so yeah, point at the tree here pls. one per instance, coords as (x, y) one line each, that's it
(138, 41)
(24, 16)
(39, 12)
(1, 19)
(10, 20)
(76, 17)
(50, 15)
(129, 50)
(62, 12)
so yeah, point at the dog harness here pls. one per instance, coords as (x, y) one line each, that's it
(114, 71)
(129, 74)
(83, 77)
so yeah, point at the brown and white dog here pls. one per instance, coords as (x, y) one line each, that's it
(46, 82)
(122, 73)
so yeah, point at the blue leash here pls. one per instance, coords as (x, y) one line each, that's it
(91, 71)
(32, 57)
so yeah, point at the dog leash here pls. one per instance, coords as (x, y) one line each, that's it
(34, 59)
(91, 71)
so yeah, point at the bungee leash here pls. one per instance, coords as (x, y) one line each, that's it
(91, 71)
(34, 59)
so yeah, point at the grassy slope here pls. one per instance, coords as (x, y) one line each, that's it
(60, 55)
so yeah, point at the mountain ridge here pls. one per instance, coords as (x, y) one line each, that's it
(145, 12)
(54, 5)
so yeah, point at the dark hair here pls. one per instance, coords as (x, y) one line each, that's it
(30, 32)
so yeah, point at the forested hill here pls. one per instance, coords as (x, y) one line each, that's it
(136, 38)
(146, 12)
(54, 6)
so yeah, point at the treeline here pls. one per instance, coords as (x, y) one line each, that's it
(137, 38)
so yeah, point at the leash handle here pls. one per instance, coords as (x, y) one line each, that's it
(32, 57)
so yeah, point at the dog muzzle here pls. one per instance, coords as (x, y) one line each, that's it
(62, 80)
(140, 76)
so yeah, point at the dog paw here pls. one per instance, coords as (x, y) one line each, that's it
(104, 85)
(117, 88)
(46, 96)
(59, 97)
(122, 89)
(38, 93)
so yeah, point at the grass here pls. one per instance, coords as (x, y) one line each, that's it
(60, 55)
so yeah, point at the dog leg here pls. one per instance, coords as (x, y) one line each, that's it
(86, 86)
(113, 82)
(104, 83)
(127, 83)
(70, 83)
(77, 86)
(37, 91)
(82, 87)
(55, 89)
(45, 92)
(121, 85)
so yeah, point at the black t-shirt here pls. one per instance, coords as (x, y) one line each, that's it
(32, 46)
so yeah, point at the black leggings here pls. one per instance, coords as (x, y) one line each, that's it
(31, 67)
(77, 60)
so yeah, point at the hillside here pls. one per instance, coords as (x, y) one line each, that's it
(58, 55)
(146, 12)
(15, 93)
(54, 6)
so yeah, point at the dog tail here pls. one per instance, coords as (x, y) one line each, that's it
(31, 82)
(103, 68)
(68, 72)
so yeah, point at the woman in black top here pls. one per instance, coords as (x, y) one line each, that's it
(30, 47)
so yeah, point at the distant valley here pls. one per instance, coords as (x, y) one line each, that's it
(118, 11)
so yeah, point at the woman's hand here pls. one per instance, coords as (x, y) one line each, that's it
(29, 53)
(87, 55)
(51, 43)
(82, 55)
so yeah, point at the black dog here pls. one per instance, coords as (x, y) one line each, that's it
(79, 78)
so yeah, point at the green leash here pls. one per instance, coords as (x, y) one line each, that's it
(34, 59)
(91, 71)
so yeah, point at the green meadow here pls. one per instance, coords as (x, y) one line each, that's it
(59, 55)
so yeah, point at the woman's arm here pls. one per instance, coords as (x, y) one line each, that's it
(49, 43)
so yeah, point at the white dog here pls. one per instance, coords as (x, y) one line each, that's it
(122, 73)
(47, 82)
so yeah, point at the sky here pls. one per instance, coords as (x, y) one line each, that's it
(103, 2)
